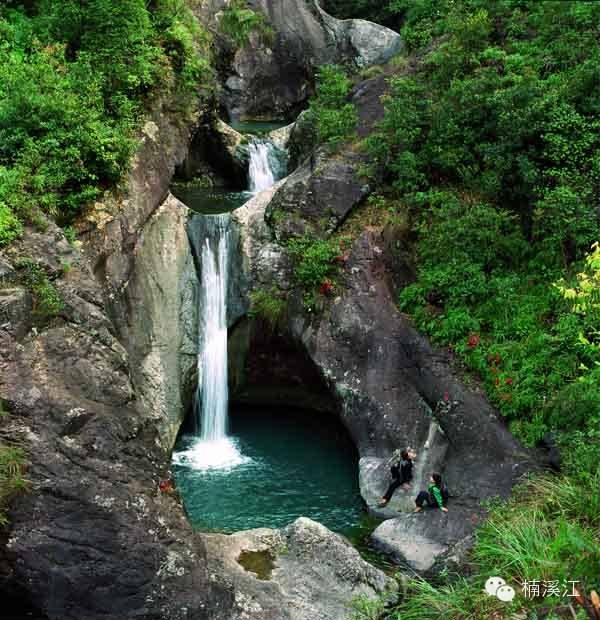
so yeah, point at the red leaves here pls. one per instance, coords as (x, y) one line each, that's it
(326, 287)
(473, 341)
(166, 486)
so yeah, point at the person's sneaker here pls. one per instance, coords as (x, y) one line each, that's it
(418, 509)
(383, 502)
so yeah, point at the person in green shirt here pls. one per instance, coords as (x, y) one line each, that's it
(436, 495)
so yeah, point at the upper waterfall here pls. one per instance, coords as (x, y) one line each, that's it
(264, 167)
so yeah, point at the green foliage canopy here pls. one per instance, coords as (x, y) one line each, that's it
(74, 80)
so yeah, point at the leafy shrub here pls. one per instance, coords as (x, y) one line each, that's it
(10, 227)
(238, 22)
(74, 80)
(47, 300)
(314, 260)
(336, 116)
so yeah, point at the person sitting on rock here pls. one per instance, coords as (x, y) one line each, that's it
(436, 495)
(402, 473)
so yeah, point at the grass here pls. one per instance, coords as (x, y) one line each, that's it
(47, 300)
(12, 480)
(268, 306)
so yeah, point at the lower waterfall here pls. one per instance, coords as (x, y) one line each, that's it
(212, 449)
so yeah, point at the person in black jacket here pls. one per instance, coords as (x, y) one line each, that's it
(402, 473)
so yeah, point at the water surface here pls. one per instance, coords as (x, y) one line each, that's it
(257, 127)
(297, 463)
(209, 201)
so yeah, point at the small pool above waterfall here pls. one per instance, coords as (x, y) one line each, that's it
(257, 128)
(296, 463)
(209, 201)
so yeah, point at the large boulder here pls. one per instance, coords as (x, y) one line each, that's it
(273, 76)
(300, 572)
(163, 286)
(422, 540)
(88, 539)
(318, 196)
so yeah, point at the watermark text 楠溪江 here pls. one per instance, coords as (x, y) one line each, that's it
(540, 588)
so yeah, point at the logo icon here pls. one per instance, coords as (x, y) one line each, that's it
(496, 586)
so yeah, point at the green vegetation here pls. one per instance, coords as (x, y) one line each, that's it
(267, 305)
(74, 81)
(47, 301)
(239, 21)
(493, 145)
(10, 226)
(12, 481)
(335, 116)
(316, 261)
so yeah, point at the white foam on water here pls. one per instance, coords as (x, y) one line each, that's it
(208, 455)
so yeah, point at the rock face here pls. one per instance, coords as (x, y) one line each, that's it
(164, 289)
(127, 226)
(89, 539)
(317, 197)
(272, 77)
(306, 572)
(216, 144)
(375, 475)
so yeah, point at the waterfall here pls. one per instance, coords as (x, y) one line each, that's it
(211, 401)
(264, 168)
(212, 448)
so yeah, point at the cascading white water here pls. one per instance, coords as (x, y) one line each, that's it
(260, 171)
(212, 394)
(213, 449)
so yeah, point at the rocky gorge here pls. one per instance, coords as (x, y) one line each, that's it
(98, 394)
